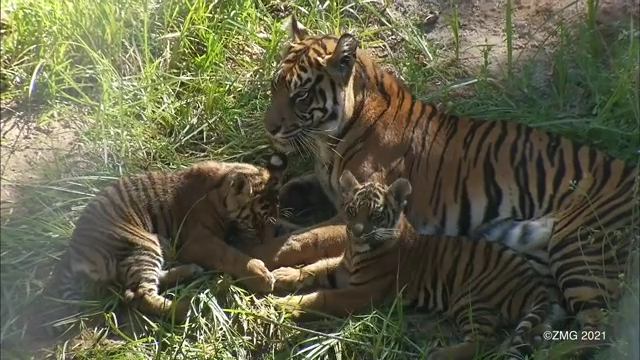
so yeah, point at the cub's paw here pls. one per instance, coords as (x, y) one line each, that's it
(288, 278)
(259, 277)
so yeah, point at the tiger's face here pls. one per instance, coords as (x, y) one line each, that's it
(372, 209)
(252, 200)
(310, 89)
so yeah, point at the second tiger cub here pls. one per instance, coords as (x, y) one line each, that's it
(483, 286)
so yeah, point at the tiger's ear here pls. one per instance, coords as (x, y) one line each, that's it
(277, 164)
(340, 63)
(296, 30)
(347, 181)
(400, 190)
(239, 183)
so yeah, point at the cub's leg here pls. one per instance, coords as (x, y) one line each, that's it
(303, 246)
(318, 273)
(178, 274)
(304, 196)
(140, 274)
(336, 302)
(211, 253)
(478, 326)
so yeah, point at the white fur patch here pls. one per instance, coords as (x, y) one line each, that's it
(276, 160)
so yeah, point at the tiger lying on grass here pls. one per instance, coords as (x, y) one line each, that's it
(331, 99)
(125, 232)
(482, 285)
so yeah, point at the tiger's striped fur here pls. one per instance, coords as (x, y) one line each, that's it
(331, 99)
(482, 285)
(125, 234)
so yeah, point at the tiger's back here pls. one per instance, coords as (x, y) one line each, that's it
(128, 231)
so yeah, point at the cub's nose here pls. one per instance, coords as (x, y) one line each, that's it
(357, 230)
(273, 129)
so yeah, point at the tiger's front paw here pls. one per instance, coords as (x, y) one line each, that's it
(260, 278)
(288, 278)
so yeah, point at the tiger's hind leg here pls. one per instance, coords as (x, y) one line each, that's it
(588, 269)
(479, 329)
(528, 335)
(140, 274)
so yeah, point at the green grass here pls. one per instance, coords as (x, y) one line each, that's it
(158, 85)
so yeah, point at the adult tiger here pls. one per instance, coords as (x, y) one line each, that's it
(197, 214)
(330, 97)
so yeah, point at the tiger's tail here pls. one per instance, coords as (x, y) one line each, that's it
(530, 324)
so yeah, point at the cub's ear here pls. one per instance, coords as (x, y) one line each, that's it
(240, 183)
(277, 165)
(297, 31)
(399, 191)
(340, 63)
(348, 182)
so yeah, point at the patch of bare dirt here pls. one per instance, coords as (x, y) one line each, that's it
(26, 146)
(482, 26)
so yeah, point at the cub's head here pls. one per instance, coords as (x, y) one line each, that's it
(312, 88)
(372, 209)
(252, 198)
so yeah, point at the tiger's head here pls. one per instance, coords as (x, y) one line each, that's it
(371, 209)
(312, 88)
(251, 199)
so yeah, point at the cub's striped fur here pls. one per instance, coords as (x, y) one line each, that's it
(482, 285)
(126, 232)
(331, 99)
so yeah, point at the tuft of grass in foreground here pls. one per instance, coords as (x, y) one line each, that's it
(158, 85)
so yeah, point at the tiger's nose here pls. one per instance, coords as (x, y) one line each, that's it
(273, 129)
(357, 230)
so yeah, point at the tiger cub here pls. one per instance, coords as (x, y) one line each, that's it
(198, 214)
(385, 255)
